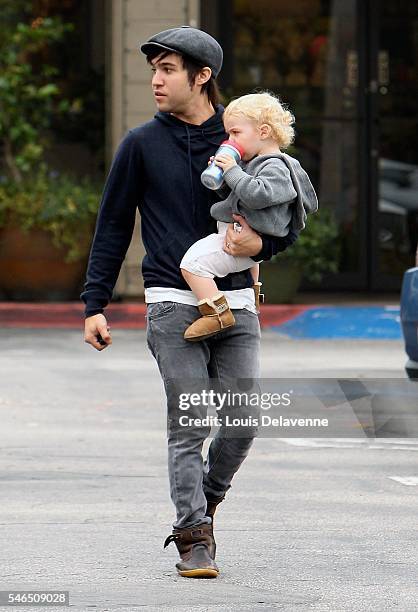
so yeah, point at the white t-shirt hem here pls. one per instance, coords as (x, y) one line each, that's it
(238, 298)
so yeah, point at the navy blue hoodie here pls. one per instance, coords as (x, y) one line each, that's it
(157, 169)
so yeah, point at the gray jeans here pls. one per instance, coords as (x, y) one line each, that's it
(231, 354)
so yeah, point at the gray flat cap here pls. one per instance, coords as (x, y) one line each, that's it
(198, 44)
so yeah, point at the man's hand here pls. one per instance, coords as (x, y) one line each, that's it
(225, 161)
(246, 243)
(94, 327)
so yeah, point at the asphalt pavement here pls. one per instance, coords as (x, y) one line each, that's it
(313, 524)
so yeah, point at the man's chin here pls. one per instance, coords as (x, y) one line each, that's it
(163, 105)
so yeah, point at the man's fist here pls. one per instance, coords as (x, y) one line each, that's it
(246, 243)
(96, 332)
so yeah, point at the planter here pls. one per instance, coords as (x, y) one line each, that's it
(281, 281)
(32, 268)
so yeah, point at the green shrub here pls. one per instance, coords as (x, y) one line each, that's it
(33, 196)
(28, 85)
(317, 249)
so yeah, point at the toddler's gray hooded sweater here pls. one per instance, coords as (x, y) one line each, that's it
(272, 192)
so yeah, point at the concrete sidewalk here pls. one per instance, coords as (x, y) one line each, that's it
(331, 320)
(85, 504)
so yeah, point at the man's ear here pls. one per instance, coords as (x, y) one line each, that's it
(203, 76)
(265, 130)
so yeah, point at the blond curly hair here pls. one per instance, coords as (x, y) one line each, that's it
(265, 107)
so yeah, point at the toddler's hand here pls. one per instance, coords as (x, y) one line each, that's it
(211, 160)
(225, 161)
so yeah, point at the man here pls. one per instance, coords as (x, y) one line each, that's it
(157, 169)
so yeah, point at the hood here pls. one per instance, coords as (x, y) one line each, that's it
(307, 201)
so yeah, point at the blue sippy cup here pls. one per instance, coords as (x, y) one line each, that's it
(213, 176)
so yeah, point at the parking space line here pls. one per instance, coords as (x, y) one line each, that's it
(408, 481)
(388, 443)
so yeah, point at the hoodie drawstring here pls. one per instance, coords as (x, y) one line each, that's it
(189, 154)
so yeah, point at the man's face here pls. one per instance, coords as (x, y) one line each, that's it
(170, 84)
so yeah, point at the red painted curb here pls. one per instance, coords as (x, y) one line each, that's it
(70, 315)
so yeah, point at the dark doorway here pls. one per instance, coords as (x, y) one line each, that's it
(393, 111)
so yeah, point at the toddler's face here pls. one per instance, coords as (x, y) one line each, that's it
(246, 133)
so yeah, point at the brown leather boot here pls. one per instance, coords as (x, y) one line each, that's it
(216, 316)
(197, 549)
(212, 503)
(259, 297)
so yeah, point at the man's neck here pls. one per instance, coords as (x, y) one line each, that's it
(196, 114)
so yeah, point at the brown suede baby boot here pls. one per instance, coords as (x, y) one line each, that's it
(259, 297)
(216, 316)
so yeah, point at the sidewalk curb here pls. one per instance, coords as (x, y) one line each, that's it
(70, 315)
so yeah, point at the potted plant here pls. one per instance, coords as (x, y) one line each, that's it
(315, 253)
(46, 218)
(46, 224)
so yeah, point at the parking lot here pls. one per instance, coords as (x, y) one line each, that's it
(309, 524)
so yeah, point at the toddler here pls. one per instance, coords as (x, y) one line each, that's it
(271, 191)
